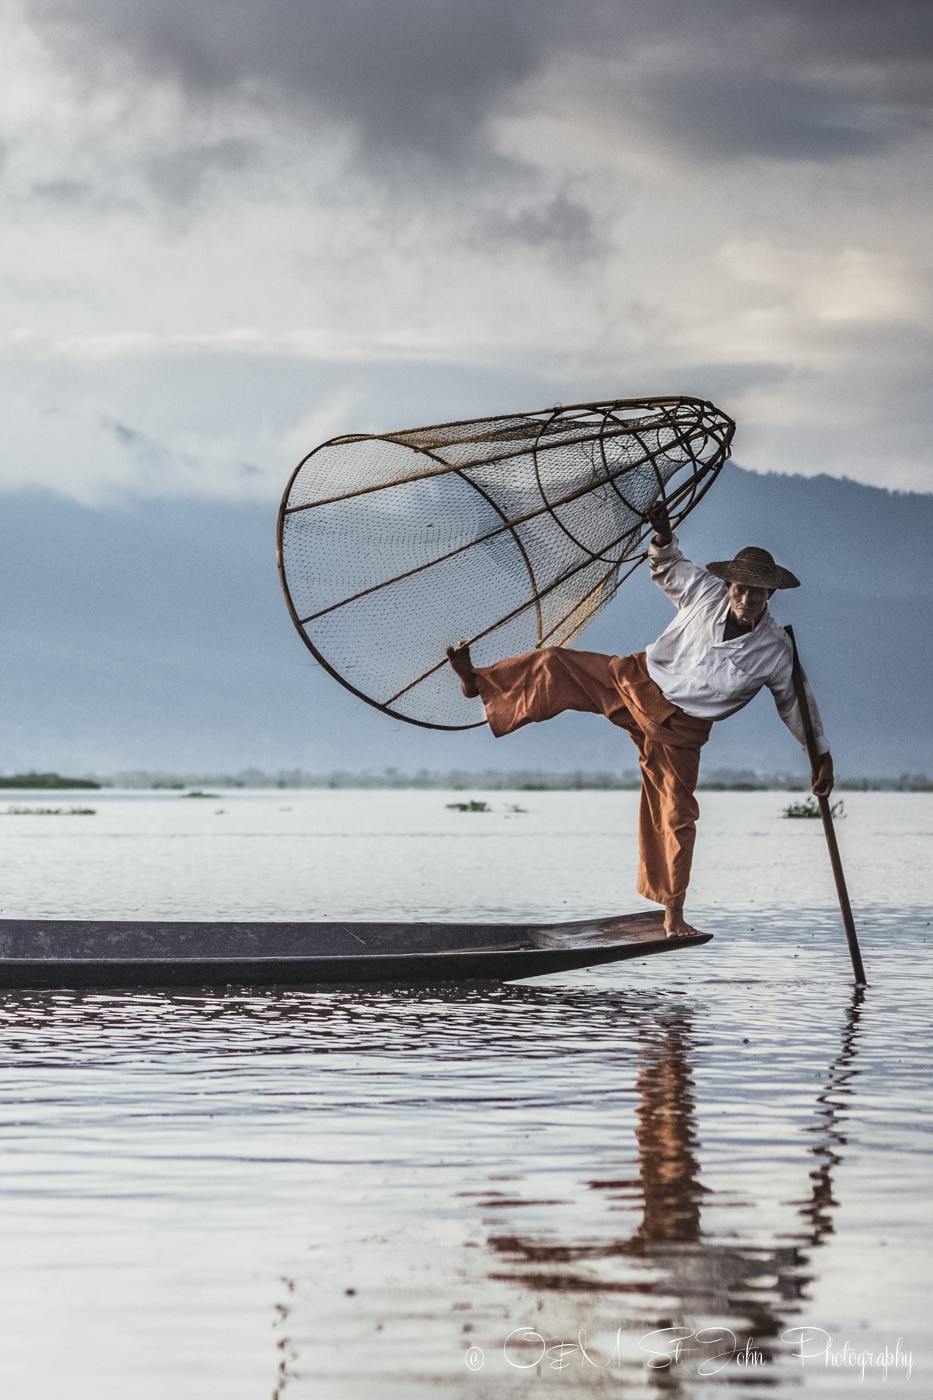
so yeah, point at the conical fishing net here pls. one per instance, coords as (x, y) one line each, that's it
(511, 532)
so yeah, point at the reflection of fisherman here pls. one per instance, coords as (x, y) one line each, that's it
(692, 1269)
(715, 656)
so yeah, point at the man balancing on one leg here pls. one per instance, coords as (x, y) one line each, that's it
(715, 656)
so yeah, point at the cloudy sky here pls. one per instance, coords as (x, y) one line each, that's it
(232, 228)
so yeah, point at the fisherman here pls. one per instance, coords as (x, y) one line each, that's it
(712, 659)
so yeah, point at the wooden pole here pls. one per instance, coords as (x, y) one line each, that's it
(826, 813)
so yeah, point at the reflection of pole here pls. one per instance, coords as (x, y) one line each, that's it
(826, 813)
(828, 1151)
(285, 1348)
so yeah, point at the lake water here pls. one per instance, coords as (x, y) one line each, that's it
(634, 1180)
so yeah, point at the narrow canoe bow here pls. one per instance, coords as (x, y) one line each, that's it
(136, 953)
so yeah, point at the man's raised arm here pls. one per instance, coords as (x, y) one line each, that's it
(682, 581)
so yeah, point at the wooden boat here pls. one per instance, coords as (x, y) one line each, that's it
(130, 953)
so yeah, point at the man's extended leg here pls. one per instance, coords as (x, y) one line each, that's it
(667, 829)
(541, 684)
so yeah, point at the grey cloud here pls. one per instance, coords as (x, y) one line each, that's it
(157, 460)
(725, 382)
(422, 78)
(409, 74)
(146, 451)
(64, 191)
(563, 228)
(745, 114)
(785, 33)
(179, 175)
(897, 30)
(150, 455)
(74, 194)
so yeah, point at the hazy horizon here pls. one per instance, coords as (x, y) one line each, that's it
(155, 636)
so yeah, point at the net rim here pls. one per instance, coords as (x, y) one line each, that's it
(398, 438)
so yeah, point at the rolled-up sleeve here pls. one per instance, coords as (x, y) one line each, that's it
(682, 581)
(782, 688)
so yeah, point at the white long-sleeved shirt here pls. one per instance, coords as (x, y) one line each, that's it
(707, 676)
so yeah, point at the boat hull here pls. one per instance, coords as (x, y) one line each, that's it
(129, 954)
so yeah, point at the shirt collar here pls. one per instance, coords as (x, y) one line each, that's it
(766, 621)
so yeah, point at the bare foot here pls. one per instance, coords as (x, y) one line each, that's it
(675, 925)
(461, 661)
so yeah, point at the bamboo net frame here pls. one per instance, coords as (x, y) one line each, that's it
(512, 532)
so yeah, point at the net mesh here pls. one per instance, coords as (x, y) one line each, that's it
(511, 532)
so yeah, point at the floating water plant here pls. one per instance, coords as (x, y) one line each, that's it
(810, 808)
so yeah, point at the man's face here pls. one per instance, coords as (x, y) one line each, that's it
(747, 603)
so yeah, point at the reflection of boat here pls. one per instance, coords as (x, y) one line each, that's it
(149, 953)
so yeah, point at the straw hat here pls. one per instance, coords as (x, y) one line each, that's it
(755, 568)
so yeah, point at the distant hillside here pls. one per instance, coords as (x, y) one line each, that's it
(154, 636)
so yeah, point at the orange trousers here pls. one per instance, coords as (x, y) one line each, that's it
(537, 686)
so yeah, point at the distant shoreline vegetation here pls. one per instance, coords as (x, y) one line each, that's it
(44, 781)
(455, 780)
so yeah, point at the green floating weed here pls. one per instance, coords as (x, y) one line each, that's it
(810, 808)
(195, 792)
(468, 807)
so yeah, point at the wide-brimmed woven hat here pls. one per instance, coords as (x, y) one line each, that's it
(755, 568)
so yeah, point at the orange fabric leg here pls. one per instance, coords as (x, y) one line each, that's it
(667, 820)
(541, 684)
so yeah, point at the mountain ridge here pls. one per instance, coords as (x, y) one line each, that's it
(152, 634)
